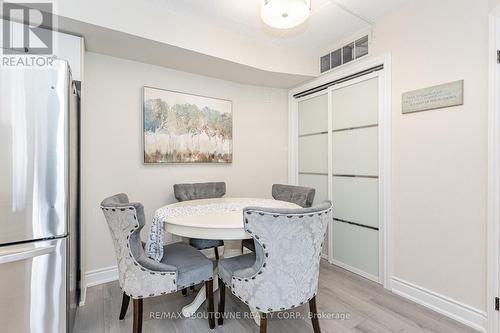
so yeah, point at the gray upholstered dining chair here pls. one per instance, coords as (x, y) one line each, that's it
(185, 192)
(299, 195)
(141, 277)
(283, 272)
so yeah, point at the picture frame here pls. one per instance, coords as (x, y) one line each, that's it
(180, 127)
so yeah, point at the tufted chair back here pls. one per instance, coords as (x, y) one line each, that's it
(288, 250)
(139, 275)
(300, 195)
(184, 192)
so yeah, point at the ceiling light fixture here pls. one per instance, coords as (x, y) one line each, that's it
(285, 14)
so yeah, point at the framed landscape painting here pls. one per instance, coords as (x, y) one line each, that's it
(185, 128)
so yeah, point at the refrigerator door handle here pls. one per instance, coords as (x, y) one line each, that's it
(7, 257)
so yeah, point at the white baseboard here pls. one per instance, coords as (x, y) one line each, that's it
(355, 270)
(98, 276)
(446, 306)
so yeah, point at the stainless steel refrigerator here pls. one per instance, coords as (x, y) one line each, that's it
(39, 179)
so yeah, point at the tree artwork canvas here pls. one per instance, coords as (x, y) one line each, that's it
(185, 128)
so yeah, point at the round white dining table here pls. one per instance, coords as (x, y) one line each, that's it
(223, 221)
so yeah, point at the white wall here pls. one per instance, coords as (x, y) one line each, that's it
(439, 157)
(112, 152)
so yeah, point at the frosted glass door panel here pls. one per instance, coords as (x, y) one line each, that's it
(356, 200)
(313, 154)
(313, 115)
(319, 183)
(356, 247)
(355, 105)
(355, 152)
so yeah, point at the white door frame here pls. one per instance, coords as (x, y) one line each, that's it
(493, 255)
(385, 238)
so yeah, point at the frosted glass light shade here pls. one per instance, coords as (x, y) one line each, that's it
(285, 14)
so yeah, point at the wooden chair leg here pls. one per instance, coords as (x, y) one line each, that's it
(209, 287)
(222, 302)
(216, 250)
(125, 301)
(137, 325)
(263, 323)
(314, 315)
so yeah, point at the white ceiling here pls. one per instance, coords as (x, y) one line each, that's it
(220, 38)
(330, 21)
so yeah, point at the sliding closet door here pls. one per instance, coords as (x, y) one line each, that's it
(355, 172)
(313, 145)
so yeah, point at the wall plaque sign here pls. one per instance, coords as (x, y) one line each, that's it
(436, 97)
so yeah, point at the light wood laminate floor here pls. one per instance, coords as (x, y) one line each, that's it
(369, 307)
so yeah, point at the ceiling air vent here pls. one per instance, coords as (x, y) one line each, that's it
(347, 53)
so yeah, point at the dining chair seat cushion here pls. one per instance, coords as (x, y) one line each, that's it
(202, 244)
(227, 267)
(192, 266)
